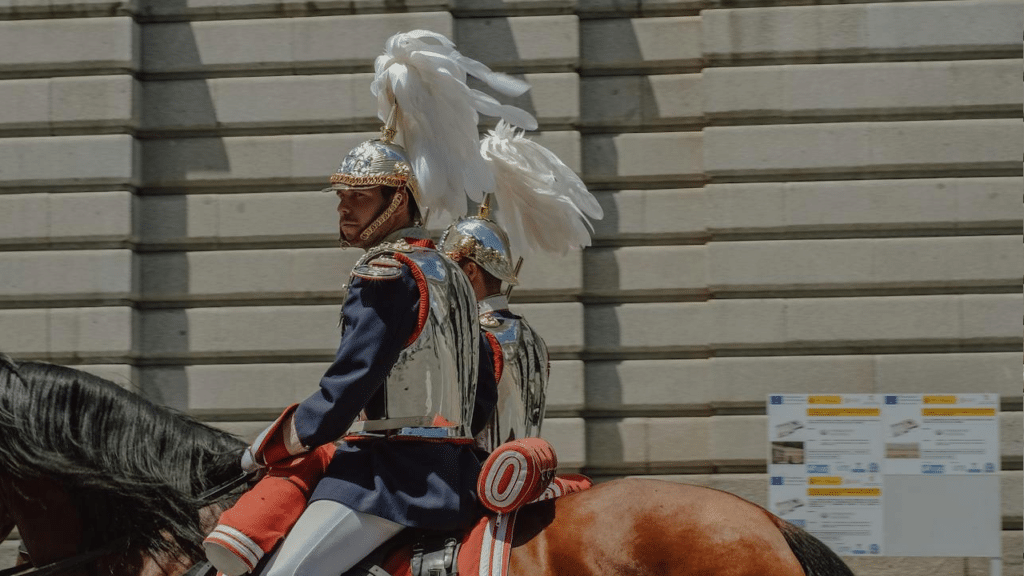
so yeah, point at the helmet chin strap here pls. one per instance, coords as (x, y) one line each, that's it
(371, 229)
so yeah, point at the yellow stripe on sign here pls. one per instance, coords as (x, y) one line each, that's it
(958, 411)
(948, 399)
(844, 411)
(844, 491)
(825, 480)
(824, 399)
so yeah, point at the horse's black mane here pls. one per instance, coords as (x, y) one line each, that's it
(134, 468)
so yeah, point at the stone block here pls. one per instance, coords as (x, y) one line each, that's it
(640, 44)
(738, 440)
(995, 372)
(561, 325)
(80, 217)
(788, 265)
(874, 321)
(26, 104)
(941, 203)
(628, 102)
(1011, 436)
(8, 552)
(64, 335)
(229, 9)
(550, 275)
(861, 89)
(265, 160)
(100, 276)
(749, 380)
(960, 28)
(521, 43)
(645, 271)
(626, 159)
(212, 391)
(282, 332)
(26, 9)
(69, 45)
(995, 317)
(647, 387)
(863, 148)
(315, 273)
(629, 445)
(879, 321)
(465, 8)
(652, 215)
(1011, 483)
(568, 437)
(619, 8)
(290, 45)
(647, 328)
(68, 161)
(96, 102)
(231, 219)
(565, 388)
(746, 323)
(342, 101)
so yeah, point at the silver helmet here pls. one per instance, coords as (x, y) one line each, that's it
(377, 162)
(482, 241)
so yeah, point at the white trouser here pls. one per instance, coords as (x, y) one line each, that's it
(328, 539)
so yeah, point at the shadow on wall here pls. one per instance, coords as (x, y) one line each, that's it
(177, 104)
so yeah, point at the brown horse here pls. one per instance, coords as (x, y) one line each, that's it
(134, 490)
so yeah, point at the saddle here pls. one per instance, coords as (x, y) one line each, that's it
(518, 473)
(482, 551)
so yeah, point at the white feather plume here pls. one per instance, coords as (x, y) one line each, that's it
(437, 115)
(542, 204)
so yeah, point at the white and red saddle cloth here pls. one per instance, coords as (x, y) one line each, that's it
(517, 473)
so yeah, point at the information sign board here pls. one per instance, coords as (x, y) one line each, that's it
(846, 467)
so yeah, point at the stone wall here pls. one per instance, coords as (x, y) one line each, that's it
(798, 197)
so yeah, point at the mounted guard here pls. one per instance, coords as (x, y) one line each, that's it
(409, 388)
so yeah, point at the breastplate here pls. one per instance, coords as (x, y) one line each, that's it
(431, 388)
(522, 389)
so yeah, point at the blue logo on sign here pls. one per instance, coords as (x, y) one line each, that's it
(776, 480)
(990, 467)
(931, 469)
(873, 467)
(817, 468)
(874, 549)
(890, 400)
(776, 400)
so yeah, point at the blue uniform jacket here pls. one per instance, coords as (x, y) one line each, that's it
(418, 484)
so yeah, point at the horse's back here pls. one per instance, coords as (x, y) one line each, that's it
(649, 527)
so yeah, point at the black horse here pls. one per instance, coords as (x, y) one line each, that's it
(86, 465)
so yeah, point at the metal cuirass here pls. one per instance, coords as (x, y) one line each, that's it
(430, 391)
(522, 389)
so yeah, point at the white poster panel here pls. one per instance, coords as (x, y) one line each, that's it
(941, 434)
(897, 474)
(825, 465)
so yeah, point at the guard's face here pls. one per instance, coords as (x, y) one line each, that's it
(356, 209)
